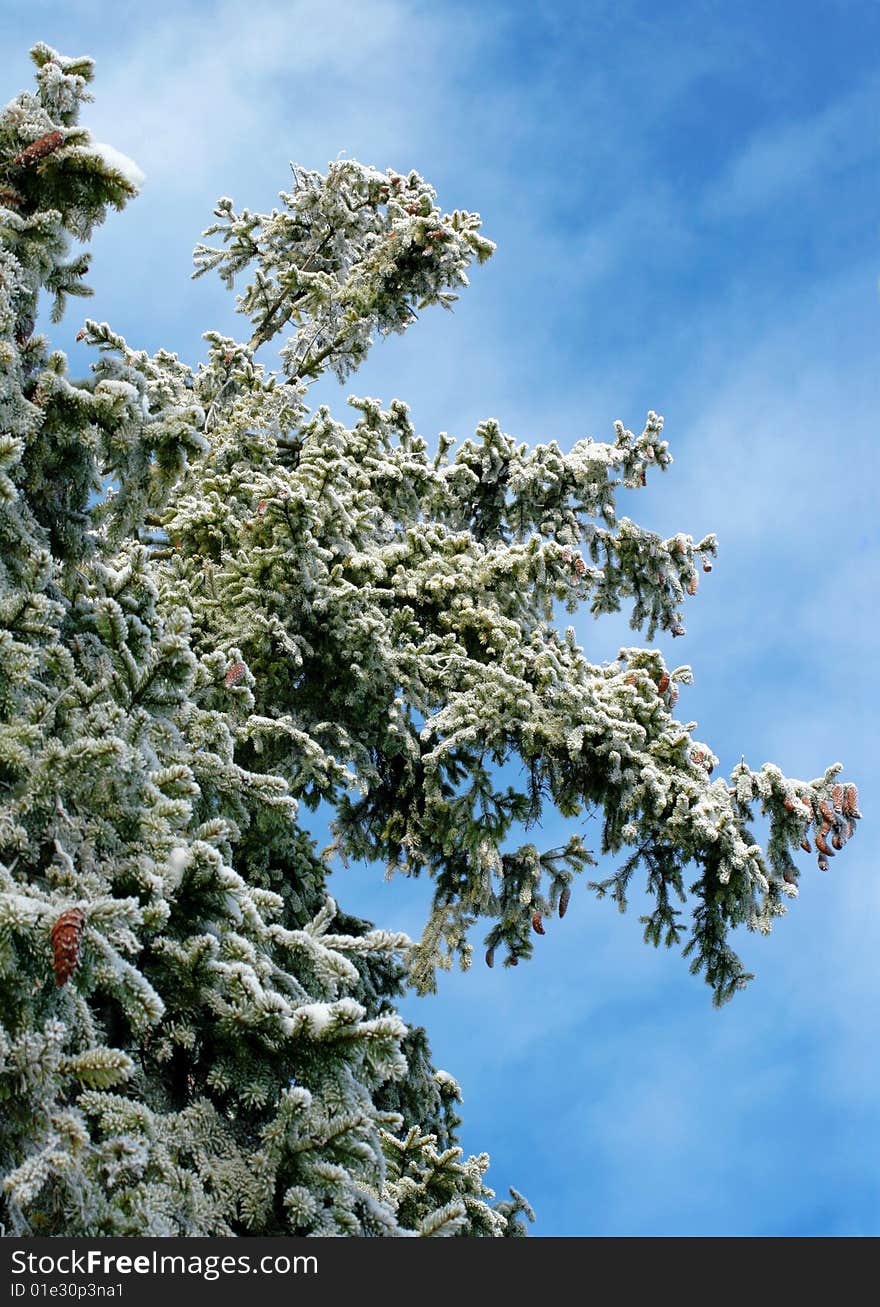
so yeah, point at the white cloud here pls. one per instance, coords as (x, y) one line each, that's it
(260, 83)
(783, 160)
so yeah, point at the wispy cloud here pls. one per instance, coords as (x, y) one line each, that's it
(258, 84)
(782, 160)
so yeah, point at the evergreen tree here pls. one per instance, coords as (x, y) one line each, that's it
(218, 607)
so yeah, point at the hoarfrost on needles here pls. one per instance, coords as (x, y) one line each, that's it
(120, 163)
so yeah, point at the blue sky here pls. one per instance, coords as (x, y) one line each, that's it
(686, 202)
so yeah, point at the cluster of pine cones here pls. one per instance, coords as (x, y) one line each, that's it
(836, 819)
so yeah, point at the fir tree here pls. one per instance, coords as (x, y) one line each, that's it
(218, 607)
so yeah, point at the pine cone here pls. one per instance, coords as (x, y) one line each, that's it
(538, 924)
(837, 798)
(851, 801)
(234, 674)
(806, 845)
(823, 847)
(66, 938)
(564, 899)
(39, 149)
(663, 683)
(693, 584)
(490, 957)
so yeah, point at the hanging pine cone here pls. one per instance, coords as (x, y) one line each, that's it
(822, 846)
(538, 924)
(38, 149)
(837, 798)
(823, 864)
(806, 845)
(564, 899)
(827, 812)
(693, 584)
(66, 937)
(851, 801)
(663, 683)
(234, 674)
(490, 957)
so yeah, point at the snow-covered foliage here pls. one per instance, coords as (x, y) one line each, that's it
(272, 608)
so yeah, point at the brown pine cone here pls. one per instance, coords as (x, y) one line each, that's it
(851, 801)
(66, 938)
(234, 674)
(39, 149)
